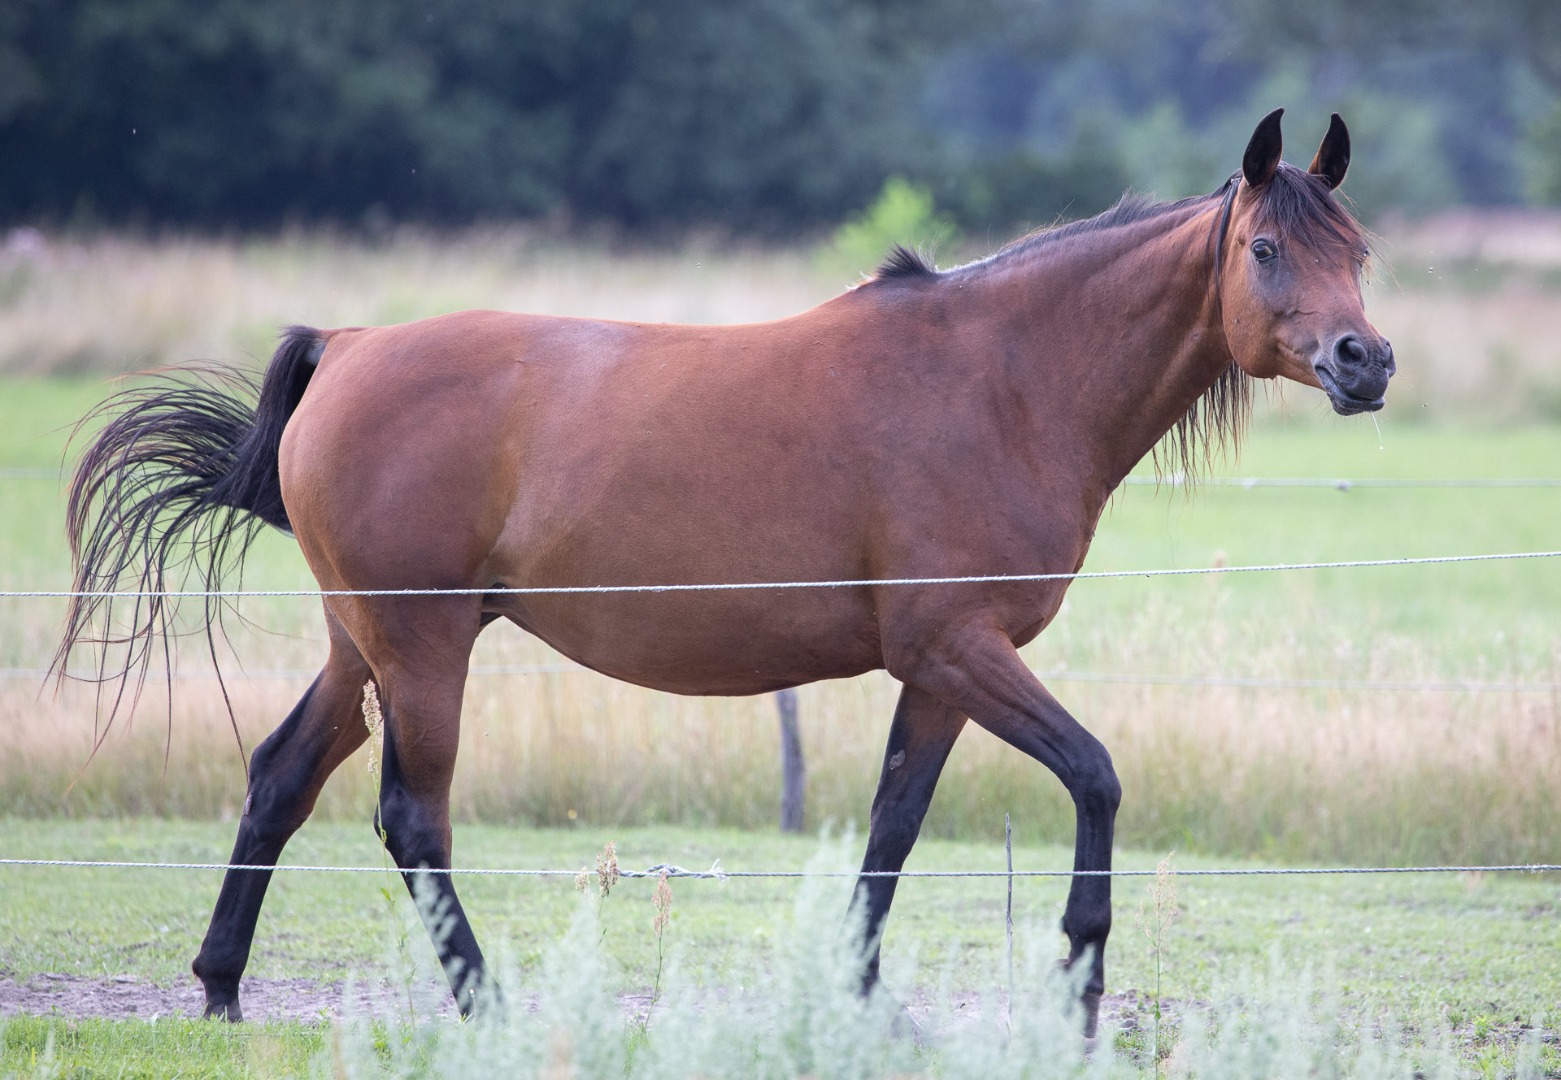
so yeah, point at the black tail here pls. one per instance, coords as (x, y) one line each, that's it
(183, 472)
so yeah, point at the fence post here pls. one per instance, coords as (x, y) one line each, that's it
(793, 774)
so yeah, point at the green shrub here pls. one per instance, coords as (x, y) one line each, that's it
(903, 214)
(800, 1016)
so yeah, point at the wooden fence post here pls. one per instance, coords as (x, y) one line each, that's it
(793, 774)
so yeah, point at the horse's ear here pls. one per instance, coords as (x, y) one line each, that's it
(1262, 156)
(1333, 156)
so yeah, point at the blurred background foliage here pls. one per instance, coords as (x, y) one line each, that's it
(756, 117)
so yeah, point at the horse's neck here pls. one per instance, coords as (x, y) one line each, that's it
(1120, 337)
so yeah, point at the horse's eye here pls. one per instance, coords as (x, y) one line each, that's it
(1264, 250)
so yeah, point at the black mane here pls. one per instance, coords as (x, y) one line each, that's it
(1294, 204)
(902, 263)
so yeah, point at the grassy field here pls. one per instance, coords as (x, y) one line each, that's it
(1375, 760)
(1465, 958)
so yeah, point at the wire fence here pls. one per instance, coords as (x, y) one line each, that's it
(717, 873)
(1344, 484)
(1228, 681)
(1178, 480)
(741, 586)
(1110, 678)
(1467, 686)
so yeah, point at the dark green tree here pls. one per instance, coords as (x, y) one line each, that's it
(245, 112)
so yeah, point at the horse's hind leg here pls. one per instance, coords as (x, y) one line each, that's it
(422, 683)
(286, 773)
(920, 739)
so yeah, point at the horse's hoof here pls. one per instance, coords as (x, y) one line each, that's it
(1089, 1001)
(904, 1026)
(483, 1002)
(223, 1010)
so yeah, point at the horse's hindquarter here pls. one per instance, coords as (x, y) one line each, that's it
(488, 450)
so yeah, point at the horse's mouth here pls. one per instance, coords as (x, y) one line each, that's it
(1345, 403)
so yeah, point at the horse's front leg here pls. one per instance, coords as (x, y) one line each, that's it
(979, 672)
(920, 739)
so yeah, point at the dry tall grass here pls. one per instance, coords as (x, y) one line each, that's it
(1471, 300)
(110, 303)
(1403, 776)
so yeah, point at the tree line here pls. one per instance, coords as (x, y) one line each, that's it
(756, 116)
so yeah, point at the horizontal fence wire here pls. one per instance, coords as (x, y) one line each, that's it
(1345, 484)
(737, 586)
(1402, 685)
(717, 873)
(1238, 682)
(1176, 480)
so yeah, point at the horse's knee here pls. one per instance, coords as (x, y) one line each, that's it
(1094, 784)
(1104, 790)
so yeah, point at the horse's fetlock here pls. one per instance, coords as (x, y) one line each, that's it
(1087, 929)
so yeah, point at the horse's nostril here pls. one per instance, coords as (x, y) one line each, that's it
(1350, 350)
(1388, 363)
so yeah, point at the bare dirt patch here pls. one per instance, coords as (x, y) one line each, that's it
(126, 997)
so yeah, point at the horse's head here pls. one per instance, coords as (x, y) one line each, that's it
(1291, 258)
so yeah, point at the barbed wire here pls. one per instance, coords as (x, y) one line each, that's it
(717, 873)
(735, 586)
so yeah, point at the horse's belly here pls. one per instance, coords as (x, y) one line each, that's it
(708, 643)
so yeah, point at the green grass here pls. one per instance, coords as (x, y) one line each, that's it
(169, 1047)
(1406, 942)
(1472, 956)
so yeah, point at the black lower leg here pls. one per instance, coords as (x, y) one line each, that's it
(1000, 693)
(1087, 918)
(417, 836)
(284, 777)
(920, 738)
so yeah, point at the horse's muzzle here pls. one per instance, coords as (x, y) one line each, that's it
(1355, 374)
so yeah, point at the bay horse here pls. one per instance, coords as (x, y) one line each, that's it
(926, 423)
